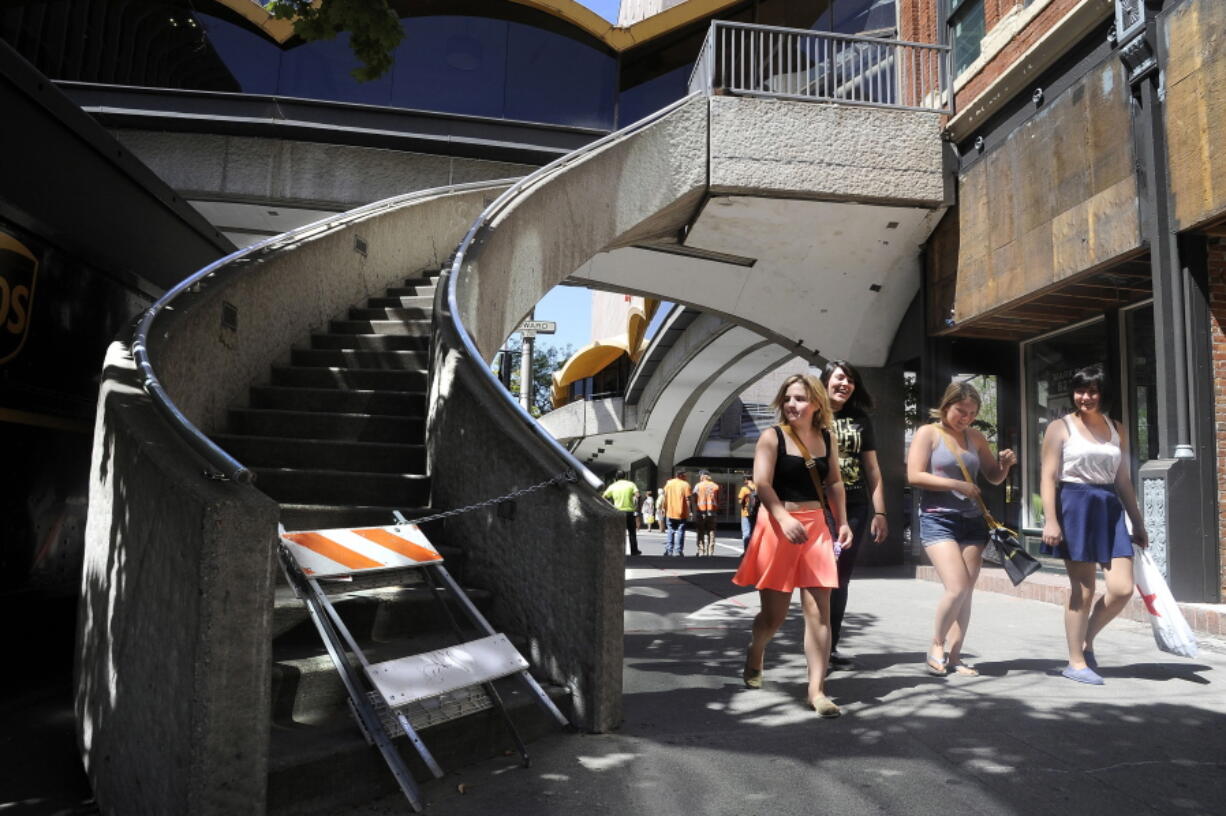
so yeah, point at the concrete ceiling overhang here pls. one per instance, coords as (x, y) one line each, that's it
(829, 279)
(673, 424)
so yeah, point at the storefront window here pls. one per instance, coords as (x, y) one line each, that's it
(1048, 367)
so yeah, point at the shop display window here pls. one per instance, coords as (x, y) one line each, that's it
(1048, 365)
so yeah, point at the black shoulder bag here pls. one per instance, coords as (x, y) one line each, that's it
(1016, 562)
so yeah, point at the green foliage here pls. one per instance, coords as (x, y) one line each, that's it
(545, 361)
(374, 28)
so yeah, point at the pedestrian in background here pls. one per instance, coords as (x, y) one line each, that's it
(952, 527)
(660, 507)
(791, 545)
(1087, 488)
(678, 501)
(850, 403)
(648, 509)
(747, 498)
(706, 500)
(622, 493)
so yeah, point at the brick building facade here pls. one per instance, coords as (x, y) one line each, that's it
(1090, 195)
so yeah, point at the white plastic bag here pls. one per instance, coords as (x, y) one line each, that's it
(1171, 631)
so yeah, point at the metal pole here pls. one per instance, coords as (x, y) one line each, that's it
(525, 366)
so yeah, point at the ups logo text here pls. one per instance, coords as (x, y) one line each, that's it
(18, 272)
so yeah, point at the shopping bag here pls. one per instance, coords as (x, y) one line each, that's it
(1171, 631)
(1016, 562)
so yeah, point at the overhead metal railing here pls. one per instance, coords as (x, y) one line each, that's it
(223, 465)
(820, 66)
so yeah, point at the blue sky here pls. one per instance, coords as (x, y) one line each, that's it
(605, 8)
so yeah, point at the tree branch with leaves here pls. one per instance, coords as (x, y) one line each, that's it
(374, 28)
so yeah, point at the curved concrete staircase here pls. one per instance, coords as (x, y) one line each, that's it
(337, 438)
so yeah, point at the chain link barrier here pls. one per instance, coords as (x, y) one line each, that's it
(565, 477)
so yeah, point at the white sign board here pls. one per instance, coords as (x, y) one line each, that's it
(539, 326)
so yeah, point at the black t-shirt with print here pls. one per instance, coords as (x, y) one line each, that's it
(854, 432)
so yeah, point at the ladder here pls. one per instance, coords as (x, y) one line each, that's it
(399, 697)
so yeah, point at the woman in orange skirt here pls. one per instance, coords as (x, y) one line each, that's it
(791, 546)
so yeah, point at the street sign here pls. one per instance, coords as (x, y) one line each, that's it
(538, 327)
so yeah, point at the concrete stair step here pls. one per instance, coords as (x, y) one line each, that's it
(422, 293)
(334, 400)
(374, 613)
(405, 307)
(371, 457)
(343, 487)
(408, 317)
(378, 322)
(375, 616)
(373, 341)
(309, 516)
(356, 427)
(344, 378)
(324, 767)
(348, 358)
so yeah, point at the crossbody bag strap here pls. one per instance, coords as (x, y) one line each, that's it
(966, 474)
(810, 464)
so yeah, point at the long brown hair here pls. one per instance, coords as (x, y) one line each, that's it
(955, 393)
(822, 415)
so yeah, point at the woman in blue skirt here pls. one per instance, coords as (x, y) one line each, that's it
(1087, 489)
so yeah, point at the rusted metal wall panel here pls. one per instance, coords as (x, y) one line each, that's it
(1058, 198)
(1195, 36)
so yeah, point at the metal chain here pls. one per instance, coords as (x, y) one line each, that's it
(566, 476)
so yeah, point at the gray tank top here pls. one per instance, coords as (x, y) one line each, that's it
(942, 463)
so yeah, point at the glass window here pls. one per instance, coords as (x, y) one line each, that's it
(860, 16)
(551, 78)
(965, 31)
(452, 65)
(253, 60)
(322, 70)
(648, 97)
(1048, 366)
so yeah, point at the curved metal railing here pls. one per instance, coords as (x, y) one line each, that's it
(469, 249)
(224, 465)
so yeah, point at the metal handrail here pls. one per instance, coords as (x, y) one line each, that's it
(470, 247)
(756, 60)
(226, 466)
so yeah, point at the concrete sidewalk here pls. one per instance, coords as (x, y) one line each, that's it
(1019, 739)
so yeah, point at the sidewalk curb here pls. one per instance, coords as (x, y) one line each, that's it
(1051, 587)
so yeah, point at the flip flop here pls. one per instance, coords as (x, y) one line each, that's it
(965, 670)
(937, 668)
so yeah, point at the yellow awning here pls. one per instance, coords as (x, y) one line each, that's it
(586, 362)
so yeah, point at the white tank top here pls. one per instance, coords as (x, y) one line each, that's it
(1088, 461)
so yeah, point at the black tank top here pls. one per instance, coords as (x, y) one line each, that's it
(791, 479)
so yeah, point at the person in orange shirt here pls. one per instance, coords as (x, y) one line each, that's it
(706, 499)
(748, 499)
(677, 500)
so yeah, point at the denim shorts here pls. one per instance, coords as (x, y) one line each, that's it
(966, 530)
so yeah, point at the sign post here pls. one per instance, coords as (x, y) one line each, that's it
(528, 330)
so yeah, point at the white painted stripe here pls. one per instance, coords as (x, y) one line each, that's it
(312, 563)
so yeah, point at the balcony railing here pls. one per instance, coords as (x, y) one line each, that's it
(818, 66)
